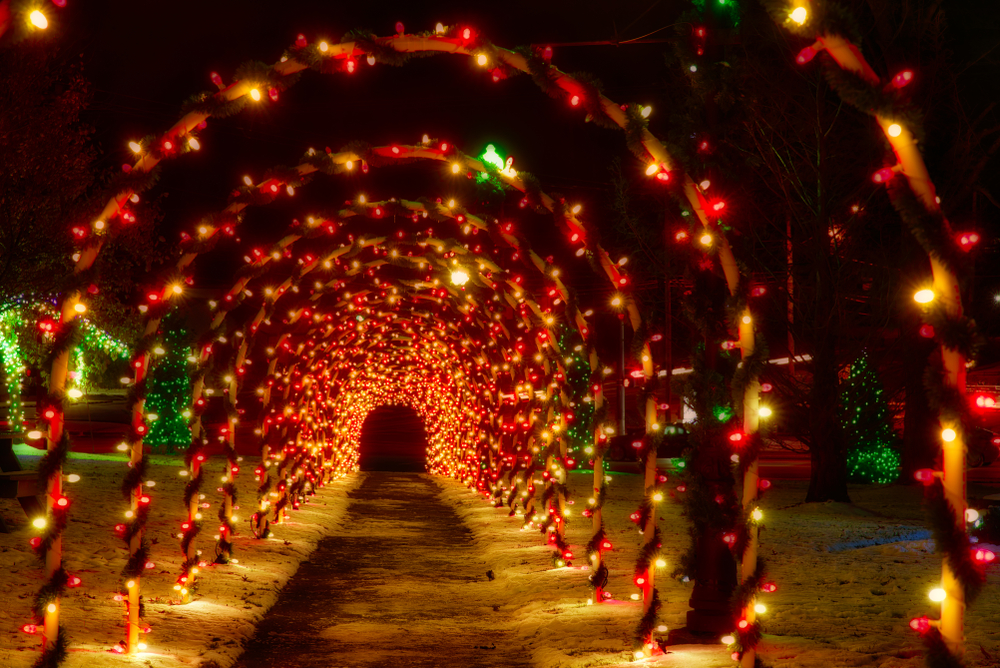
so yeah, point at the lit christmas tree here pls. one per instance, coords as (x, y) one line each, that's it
(872, 456)
(580, 429)
(169, 393)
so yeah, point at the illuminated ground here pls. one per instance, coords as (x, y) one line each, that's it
(400, 584)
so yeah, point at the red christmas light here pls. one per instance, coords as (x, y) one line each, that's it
(574, 101)
(925, 476)
(805, 55)
(30, 628)
(769, 587)
(967, 240)
(300, 41)
(902, 79)
(920, 624)
(984, 556)
(883, 175)
(927, 331)
(729, 539)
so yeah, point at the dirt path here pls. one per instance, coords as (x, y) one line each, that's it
(401, 585)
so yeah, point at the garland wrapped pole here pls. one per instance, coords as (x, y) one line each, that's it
(57, 447)
(858, 84)
(751, 483)
(598, 542)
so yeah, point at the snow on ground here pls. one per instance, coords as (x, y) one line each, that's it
(850, 577)
(231, 598)
(837, 604)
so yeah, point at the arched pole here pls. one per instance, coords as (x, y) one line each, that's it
(911, 165)
(58, 374)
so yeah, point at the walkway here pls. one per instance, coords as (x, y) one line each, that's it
(401, 585)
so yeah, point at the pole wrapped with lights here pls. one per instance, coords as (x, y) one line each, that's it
(914, 197)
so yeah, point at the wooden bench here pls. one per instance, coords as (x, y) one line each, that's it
(16, 483)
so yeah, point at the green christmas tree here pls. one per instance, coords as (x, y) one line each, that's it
(578, 432)
(872, 455)
(170, 393)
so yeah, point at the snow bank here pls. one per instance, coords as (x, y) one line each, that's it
(230, 599)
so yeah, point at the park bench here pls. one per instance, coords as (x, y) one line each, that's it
(16, 483)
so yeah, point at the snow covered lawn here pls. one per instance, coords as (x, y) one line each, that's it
(850, 577)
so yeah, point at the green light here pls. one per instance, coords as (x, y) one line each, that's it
(492, 157)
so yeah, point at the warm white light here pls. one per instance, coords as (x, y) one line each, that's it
(74, 393)
(765, 412)
(481, 60)
(38, 20)
(652, 169)
(135, 146)
(948, 435)
(39, 522)
(255, 94)
(646, 111)
(727, 640)
(925, 296)
(459, 277)
(455, 168)
(194, 144)
(799, 15)
(937, 595)
(757, 515)
(760, 608)
(971, 514)
(34, 434)
(894, 130)
(706, 239)
(80, 308)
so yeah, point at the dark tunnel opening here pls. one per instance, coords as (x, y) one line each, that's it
(393, 439)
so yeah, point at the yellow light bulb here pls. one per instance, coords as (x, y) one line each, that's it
(135, 146)
(646, 111)
(760, 608)
(757, 515)
(455, 168)
(658, 497)
(660, 563)
(937, 595)
(925, 296)
(577, 209)
(51, 607)
(652, 169)
(894, 130)
(764, 412)
(80, 308)
(39, 522)
(616, 301)
(38, 20)
(481, 60)
(706, 239)
(255, 94)
(948, 435)
(194, 144)
(799, 15)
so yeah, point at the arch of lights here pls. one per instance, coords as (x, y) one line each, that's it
(328, 57)
(915, 200)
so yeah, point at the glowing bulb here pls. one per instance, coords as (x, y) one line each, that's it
(925, 296)
(34, 434)
(481, 60)
(799, 15)
(39, 522)
(74, 393)
(706, 239)
(937, 595)
(948, 435)
(51, 607)
(194, 144)
(646, 111)
(757, 515)
(727, 640)
(971, 515)
(255, 94)
(80, 308)
(455, 168)
(894, 130)
(764, 411)
(660, 563)
(760, 608)
(38, 20)
(652, 169)
(577, 209)
(616, 301)
(135, 146)
(459, 277)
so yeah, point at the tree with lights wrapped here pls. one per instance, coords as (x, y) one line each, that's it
(872, 454)
(169, 393)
